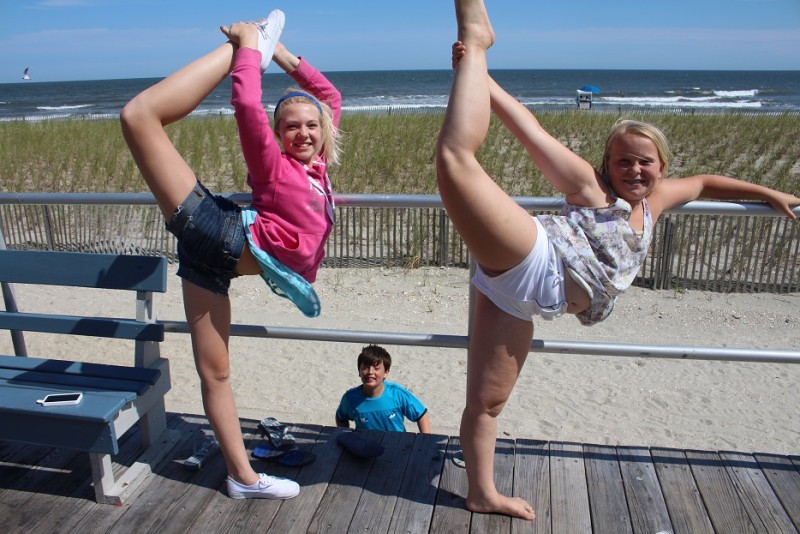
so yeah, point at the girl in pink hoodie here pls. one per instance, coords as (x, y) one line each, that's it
(281, 237)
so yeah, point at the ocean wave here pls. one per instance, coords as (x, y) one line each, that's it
(679, 101)
(737, 94)
(63, 108)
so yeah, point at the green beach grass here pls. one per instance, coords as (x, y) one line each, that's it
(394, 154)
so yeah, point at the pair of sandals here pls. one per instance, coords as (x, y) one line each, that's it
(280, 446)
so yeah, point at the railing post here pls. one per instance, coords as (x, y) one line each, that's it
(48, 226)
(444, 240)
(17, 337)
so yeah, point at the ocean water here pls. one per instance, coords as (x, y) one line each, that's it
(755, 91)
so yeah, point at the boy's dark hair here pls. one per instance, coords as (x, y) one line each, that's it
(372, 355)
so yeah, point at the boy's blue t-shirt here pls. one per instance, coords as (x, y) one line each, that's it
(380, 413)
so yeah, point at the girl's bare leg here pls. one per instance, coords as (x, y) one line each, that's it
(209, 318)
(499, 234)
(171, 180)
(497, 231)
(497, 351)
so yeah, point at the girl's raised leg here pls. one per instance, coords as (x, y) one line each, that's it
(143, 119)
(498, 232)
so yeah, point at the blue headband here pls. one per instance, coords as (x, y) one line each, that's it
(293, 94)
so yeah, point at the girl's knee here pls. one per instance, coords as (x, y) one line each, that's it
(484, 407)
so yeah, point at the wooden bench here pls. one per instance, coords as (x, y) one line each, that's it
(115, 397)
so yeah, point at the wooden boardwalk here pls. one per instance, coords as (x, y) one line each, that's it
(415, 487)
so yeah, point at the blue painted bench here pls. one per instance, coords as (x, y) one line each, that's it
(116, 398)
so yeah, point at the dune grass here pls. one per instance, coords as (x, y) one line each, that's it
(393, 154)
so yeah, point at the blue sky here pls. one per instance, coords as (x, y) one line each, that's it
(108, 39)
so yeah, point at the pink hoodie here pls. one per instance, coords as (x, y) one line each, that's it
(293, 201)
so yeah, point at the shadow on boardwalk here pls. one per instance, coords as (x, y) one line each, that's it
(414, 487)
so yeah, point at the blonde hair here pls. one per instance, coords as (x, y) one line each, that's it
(331, 145)
(642, 129)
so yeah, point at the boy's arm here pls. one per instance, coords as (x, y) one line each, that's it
(424, 424)
(673, 192)
(342, 424)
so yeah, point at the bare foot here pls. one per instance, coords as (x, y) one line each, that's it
(513, 506)
(474, 27)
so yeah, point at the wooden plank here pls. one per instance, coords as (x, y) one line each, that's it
(722, 502)
(607, 501)
(760, 502)
(76, 514)
(645, 500)
(81, 269)
(450, 514)
(504, 482)
(414, 507)
(295, 516)
(784, 478)
(532, 483)
(217, 514)
(685, 506)
(68, 495)
(44, 501)
(383, 484)
(175, 498)
(339, 502)
(568, 489)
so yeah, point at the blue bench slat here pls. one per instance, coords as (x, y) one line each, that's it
(82, 326)
(68, 381)
(106, 271)
(98, 370)
(98, 406)
(86, 426)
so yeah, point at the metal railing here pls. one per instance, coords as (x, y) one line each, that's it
(715, 246)
(787, 252)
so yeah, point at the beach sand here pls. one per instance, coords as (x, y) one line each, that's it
(614, 400)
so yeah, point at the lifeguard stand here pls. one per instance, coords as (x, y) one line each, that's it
(584, 99)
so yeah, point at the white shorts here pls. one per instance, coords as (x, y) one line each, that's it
(535, 286)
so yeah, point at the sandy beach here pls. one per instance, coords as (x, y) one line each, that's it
(593, 399)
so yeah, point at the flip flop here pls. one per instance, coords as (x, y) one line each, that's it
(267, 451)
(294, 457)
(277, 433)
(359, 444)
(208, 449)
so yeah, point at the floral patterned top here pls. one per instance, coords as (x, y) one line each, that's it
(601, 250)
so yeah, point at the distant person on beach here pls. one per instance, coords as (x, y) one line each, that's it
(281, 237)
(576, 262)
(378, 404)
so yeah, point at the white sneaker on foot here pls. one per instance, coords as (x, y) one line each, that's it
(267, 487)
(269, 33)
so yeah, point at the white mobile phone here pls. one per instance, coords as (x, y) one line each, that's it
(61, 399)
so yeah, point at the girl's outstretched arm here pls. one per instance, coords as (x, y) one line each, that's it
(670, 193)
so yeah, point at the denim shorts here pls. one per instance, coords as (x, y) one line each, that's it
(210, 239)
